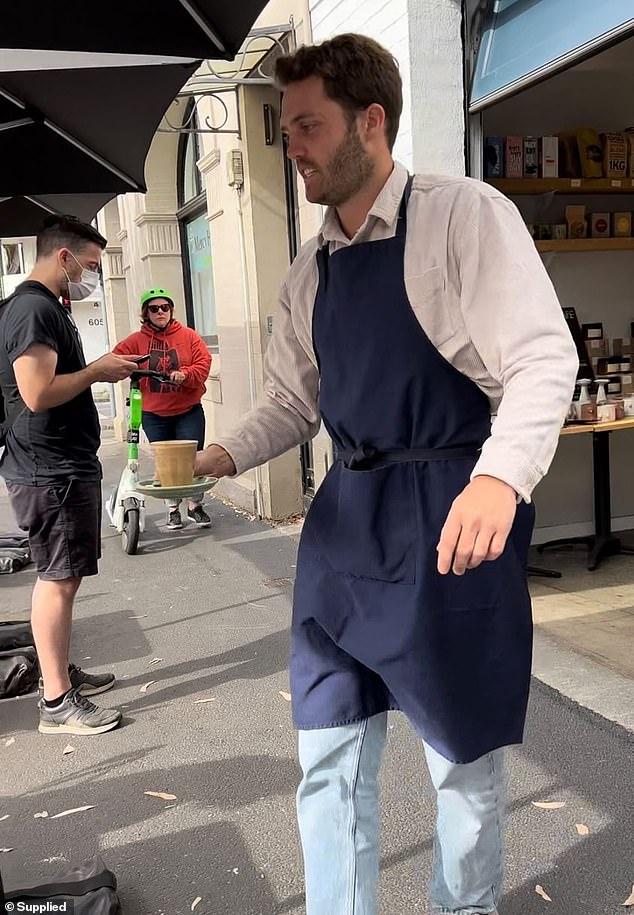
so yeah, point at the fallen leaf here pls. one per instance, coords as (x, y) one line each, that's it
(40, 816)
(146, 686)
(10, 741)
(200, 701)
(582, 829)
(549, 805)
(542, 892)
(285, 695)
(4, 851)
(155, 661)
(5, 817)
(142, 617)
(195, 902)
(68, 750)
(161, 794)
(277, 582)
(66, 813)
(630, 898)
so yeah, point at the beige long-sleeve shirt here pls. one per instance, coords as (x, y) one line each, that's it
(481, 294)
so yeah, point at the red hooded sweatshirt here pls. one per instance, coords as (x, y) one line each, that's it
(175, 349)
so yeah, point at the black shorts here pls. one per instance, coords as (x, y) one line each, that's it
(63, 522)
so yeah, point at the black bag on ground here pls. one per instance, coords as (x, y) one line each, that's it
(15, 634)
(90, 886)
(19, 668)
(19, 672)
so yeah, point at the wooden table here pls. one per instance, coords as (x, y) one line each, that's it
(602, 543)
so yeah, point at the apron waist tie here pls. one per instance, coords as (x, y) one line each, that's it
(367, 455)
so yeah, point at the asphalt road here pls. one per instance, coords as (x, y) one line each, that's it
(214, 607)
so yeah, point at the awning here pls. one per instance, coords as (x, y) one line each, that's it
(181, 28)
(526, 41)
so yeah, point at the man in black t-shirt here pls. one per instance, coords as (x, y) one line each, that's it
(50, 461)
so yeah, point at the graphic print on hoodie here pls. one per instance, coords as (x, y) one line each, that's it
(176, 349)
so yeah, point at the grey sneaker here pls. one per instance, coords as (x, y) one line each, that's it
(77, 715)
(174, 520)
(86, 684)
(199, 516)
(89, 684)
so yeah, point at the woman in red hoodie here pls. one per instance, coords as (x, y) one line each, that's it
(169, 412)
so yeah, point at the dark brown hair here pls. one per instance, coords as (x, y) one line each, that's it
(357, 72)
(66, 232)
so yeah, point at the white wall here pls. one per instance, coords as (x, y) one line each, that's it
(437, 96)
(387, 22)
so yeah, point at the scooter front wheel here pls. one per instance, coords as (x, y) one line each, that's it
(130, 532)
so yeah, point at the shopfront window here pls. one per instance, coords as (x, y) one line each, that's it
(524, 41)
(201, 283)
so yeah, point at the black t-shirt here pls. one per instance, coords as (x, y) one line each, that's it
(57, 444)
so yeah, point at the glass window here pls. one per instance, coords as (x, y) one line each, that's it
(12, 259)
(523, 40)
(200, 266)
(192, 180)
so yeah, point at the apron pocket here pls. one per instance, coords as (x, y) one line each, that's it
(483, 588)
(364, 522)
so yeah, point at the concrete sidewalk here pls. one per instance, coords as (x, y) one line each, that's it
(204, 615)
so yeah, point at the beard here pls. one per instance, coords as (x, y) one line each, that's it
(348, 170)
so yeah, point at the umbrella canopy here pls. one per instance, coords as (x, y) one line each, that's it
(212, 29)
(76, 128)
(21, 216)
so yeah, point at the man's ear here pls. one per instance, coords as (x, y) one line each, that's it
(374, 121)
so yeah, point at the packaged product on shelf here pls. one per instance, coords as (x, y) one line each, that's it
(627, 384)
(623, 346)
(514, 157)
(531, 157)
(569, 162)
(494, 157)
(545, 231)
(593, 331)
(549, 157)
(606, 412)
(622, 225)
(576, 220)
(615, 148)
(590, 153)
(619, 406)
(600, 223)
(628, 404)
(615, 384)
(625, 363)
(560, 231)
(629, 133)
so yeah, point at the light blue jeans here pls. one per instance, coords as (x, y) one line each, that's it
(338, 813)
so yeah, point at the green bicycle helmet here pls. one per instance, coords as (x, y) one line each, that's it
(156, 293)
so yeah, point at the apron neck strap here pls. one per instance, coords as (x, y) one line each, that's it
(401, 225)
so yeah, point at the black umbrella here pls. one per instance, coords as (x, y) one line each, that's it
(212, 29)
(24, 215)
(81, 129)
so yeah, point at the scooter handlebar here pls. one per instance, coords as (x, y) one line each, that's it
(148, 373)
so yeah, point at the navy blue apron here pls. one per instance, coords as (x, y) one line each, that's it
(375, 626)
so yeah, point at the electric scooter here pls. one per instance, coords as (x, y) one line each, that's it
(126, 505)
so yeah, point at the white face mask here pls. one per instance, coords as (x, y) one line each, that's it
(86, 285)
